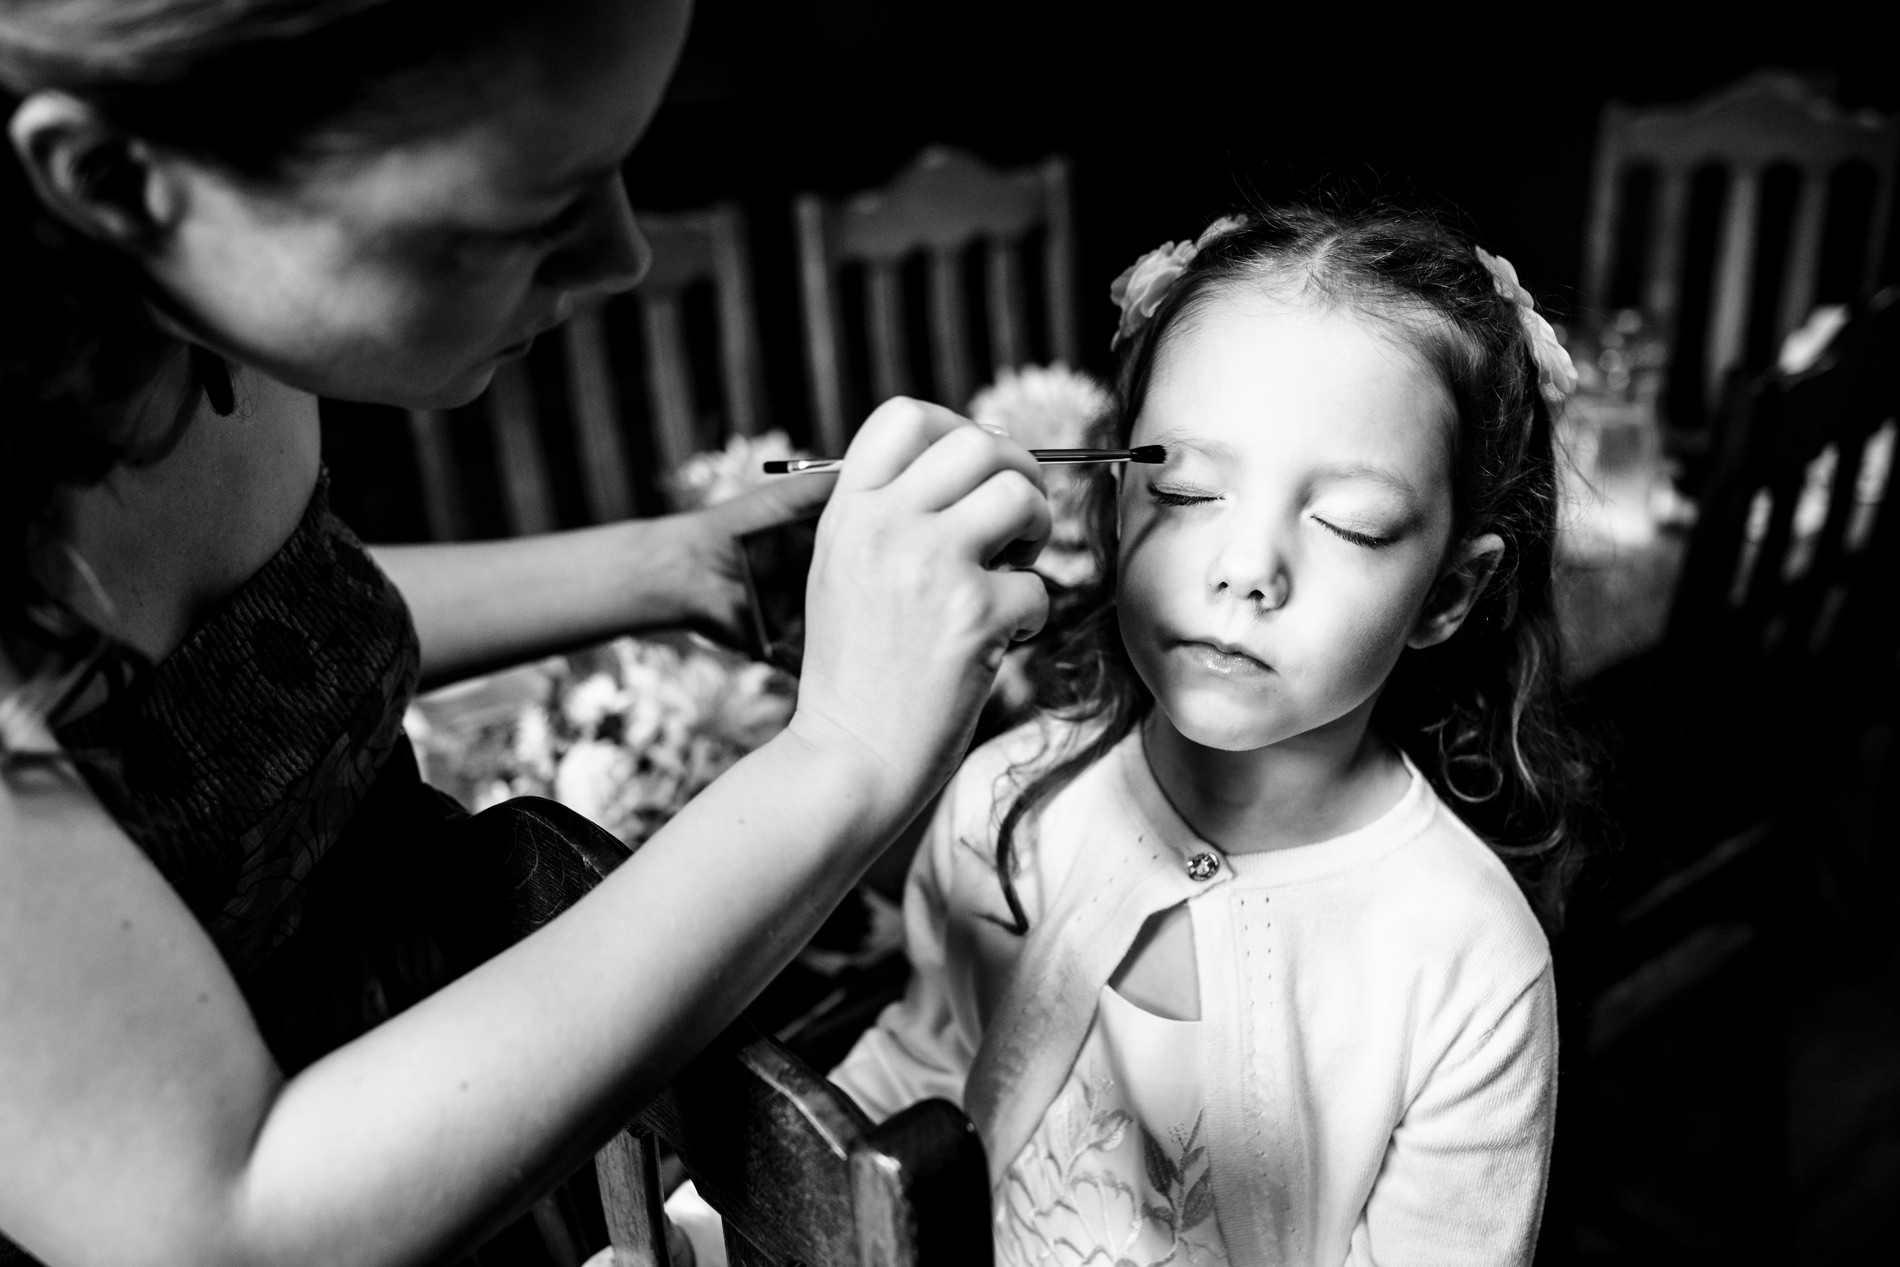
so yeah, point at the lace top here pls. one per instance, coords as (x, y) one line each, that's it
(239, 758)
(1117, 1171)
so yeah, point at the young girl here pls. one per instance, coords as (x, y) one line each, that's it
(1229, 956)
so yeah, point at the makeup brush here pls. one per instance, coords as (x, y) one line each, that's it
(1153, 453)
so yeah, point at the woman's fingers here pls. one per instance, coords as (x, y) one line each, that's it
(961, 459)
(896, 433)
(907, 613)
(1006, 516)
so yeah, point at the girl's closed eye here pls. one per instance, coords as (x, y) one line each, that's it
(1357, 536)
(1184, 496)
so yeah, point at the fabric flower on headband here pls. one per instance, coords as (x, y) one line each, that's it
(1556, 374)
(1142, 286)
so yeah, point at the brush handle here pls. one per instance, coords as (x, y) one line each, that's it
(1048, 457)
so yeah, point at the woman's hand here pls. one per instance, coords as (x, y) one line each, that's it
(914, 594)
(713, 588)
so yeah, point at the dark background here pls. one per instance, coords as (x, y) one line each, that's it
(1171, 113)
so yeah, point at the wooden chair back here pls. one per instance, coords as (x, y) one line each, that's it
(797, 1171)
(943, 204)
(699, 248)
(1765, 120)
(1786, 605)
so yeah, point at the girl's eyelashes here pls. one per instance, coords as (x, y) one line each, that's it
(1195, 497)
(1366, 539)
(1179, 497)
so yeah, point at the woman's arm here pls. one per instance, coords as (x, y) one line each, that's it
(142, 1119)
(484, 604)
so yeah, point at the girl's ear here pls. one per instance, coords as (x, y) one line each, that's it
(104, 182)
(1458, 587)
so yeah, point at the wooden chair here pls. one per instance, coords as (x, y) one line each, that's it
(1764, 121)
(797, 1171)
(945, 202)
(702, 248)
(1790, 571)
(1781, 651)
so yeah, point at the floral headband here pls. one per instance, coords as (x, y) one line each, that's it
(1144, 285)
(1556, 373)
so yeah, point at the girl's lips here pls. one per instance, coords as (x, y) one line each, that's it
(1226, 661)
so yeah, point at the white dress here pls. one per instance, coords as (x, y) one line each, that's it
(1117, 1171)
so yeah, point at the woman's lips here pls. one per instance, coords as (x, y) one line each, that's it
(1226, 661)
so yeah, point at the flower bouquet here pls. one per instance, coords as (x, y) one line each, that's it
(1052, 407)
(625, 733)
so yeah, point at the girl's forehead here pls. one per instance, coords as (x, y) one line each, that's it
(1249, 370)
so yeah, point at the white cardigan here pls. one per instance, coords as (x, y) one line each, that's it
(1379, 1023)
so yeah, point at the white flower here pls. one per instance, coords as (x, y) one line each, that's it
(706, 479)
(1143, 285)
(590, 778)
(1556, 373)
(1041, 407)
(591, 700)
(1140, 288)
(533, 746)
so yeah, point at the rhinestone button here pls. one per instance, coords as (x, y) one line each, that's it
(1202, 866)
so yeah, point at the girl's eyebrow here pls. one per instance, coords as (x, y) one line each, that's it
(1177, 439)
(1341, 472)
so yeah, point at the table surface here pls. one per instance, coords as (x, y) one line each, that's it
(1622, 534)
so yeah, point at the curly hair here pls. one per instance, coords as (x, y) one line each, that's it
(1482, 713)
(79, 341)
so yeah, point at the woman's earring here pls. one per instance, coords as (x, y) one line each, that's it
(213, 373)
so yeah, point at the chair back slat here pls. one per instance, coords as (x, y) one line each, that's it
(949, 344)
(1735, 275)
(797, 1171)
(823, 339)
(1800, 277)
(890, 355)
(1662, 292)
(1058, 263)
(669, 381)
(514, 421)
(740, 359)
(444, 509)
(1784, 599)
(1005, 300)
(596, 409)
(628, 1172)
(942, 206)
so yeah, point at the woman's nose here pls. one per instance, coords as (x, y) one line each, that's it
(607, 256)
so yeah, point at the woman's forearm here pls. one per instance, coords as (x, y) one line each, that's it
(508, 1078)
(478, 605)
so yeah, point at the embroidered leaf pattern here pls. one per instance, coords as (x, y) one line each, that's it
(1078, 1196)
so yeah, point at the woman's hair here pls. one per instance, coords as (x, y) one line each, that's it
(1479, 713)
(254, 87)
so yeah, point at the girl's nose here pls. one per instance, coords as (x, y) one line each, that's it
(1248, 569)
(607, 256)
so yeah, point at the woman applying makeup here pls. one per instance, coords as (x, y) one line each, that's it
(212, 214)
